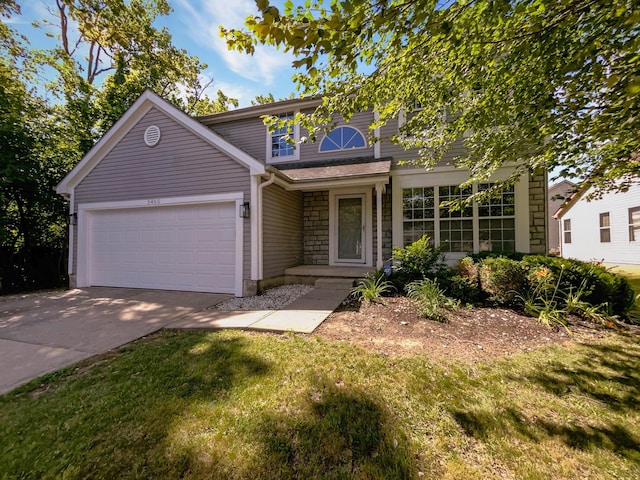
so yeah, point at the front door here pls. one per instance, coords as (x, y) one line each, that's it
(350, 229)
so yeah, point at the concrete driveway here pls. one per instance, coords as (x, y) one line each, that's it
(41, 333)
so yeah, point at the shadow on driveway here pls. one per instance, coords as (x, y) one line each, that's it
(40, 333)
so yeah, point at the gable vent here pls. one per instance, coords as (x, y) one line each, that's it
(152, 136)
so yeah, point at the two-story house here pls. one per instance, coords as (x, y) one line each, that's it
(221, 204)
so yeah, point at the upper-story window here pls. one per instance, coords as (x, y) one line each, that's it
(342, 138)
(408, 113)
(280, 145)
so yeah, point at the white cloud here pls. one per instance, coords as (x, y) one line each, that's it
(203, 17)
(233, 90)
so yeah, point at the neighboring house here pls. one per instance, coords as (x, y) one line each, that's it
(558, 194)
(605, 229)
(220, 204)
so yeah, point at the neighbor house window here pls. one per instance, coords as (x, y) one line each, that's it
(497, 221)
(457, 230)
(342, 138)
(566, 227)
(280, 143)
(605, 228)
(634, 224)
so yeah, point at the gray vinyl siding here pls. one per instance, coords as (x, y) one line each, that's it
(249, 134)
(282, 230)
(181, 164)
(391, 149)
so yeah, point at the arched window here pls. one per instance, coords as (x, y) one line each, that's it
(342, 138)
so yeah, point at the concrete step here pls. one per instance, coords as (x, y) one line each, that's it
(335, 283)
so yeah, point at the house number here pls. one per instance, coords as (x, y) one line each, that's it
(153, 201)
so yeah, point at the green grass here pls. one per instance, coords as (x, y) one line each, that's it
(635, 284)
(246, 406)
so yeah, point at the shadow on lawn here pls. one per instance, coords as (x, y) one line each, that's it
(606, 376)
(109, 417)
(342, 433)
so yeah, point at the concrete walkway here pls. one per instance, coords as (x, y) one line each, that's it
(304, 315)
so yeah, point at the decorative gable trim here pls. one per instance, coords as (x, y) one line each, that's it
(131, 117)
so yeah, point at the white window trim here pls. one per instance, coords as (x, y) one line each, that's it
(368, 230)
(445, 177)
(565, 230)
(296, 136)
(84, 228)
(343, 149)
(631, 225)
(602, 228)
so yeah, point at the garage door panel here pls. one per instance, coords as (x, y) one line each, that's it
(189, 247)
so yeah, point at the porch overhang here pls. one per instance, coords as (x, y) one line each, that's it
(332, 174)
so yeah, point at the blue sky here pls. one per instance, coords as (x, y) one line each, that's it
(194, 26)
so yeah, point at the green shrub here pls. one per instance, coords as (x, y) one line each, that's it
(467, 268)
(503, 280)
(372, 288)
(465, 289)
(416, 261)
(598, 286)
(431, 300)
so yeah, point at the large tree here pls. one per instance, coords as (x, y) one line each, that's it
(104, 54)
(109, 51)
(534, 83)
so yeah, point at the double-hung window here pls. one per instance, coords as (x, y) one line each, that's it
(281, 146)
(605, 228)
(634, 224)
(566, 228)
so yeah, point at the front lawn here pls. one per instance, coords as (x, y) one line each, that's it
(634, 281)
(247, 406)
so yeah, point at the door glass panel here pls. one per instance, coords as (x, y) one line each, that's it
(350, 229)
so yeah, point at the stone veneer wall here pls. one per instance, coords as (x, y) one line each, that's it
(538, 211)
(315, 224)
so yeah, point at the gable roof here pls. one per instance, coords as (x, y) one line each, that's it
(571, 201)
(131, 117)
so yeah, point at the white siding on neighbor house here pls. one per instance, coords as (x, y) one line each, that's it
(563, 189)
(182, 164)
(585, 229)
(282, 230)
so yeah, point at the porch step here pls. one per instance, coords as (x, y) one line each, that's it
(335, 283)
(325, 271)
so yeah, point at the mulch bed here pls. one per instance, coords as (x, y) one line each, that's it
(471, 335)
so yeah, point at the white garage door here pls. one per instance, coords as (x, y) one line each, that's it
(186, 247)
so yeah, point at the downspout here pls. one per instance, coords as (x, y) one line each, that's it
(272, 178)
